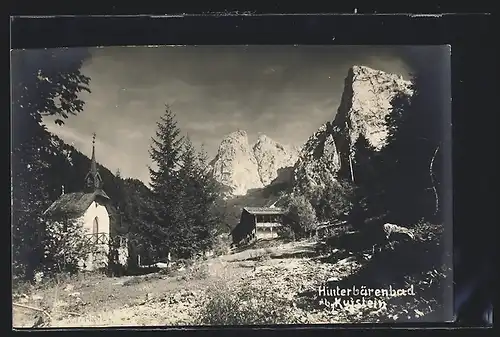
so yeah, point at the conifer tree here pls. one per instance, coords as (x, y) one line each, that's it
(166, 152)
(186, 238)
(369, 190)
(199, 194)
(209, 216)
(139, 216)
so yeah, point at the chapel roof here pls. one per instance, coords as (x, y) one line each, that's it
(74, 204)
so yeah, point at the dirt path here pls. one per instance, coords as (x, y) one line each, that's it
(171, 302)
(161, 300)
(157, 299)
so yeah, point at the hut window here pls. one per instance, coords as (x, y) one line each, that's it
(95, 228)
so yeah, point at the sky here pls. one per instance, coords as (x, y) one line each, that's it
(284, 92)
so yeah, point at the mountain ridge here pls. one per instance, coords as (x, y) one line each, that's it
(242, 166)
(365, 103)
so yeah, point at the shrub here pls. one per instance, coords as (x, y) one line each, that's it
(197, 271)
(336, 231)
(221, 245)
(183, 263)
(333, 200)
(302, 214)
(132, 281)
(20, 286)
(425, 231)
(285, 232)
(244, 306)
(65, 246)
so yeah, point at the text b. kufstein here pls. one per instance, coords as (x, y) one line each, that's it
(364, 291)
(339, 303)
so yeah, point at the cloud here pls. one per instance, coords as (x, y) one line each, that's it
(274, 69)
(130, 134)
(285, 92)
(209, 127)
(268, 116)
(72, 136)
(106, 154)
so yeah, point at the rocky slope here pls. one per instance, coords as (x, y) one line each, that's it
(271, 157)
(365, 104)
(242, 167)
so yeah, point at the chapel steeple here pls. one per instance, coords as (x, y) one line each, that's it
(93, 180)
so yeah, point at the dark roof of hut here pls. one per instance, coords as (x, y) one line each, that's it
(74, 204)
(264, 210)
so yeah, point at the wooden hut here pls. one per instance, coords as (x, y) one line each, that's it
(257, 223)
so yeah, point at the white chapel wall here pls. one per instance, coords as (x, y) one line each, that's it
(100, 258)
(96, 210)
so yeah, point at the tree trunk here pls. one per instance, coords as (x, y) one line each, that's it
(350, 151)
(431, 173)
(350, 165)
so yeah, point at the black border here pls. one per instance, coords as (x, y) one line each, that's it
(470, 35)
(80, 31)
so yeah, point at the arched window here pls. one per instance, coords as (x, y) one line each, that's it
(95, 228)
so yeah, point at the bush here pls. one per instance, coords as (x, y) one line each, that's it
(285, 232)
(425, 231)
(303, 216)
(198, 271)
(244, 306)
(333, 200)
(336, 231)
(221, 245)
(183, 263)
(65, 246)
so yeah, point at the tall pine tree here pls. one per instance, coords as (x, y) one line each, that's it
(166, 152)
(199, 195)
(140, 218)
(186, 237)
(208, 197)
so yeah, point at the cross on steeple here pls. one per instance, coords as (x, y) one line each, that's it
(93, 180)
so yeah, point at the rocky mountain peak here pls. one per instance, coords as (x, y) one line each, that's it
(365, 104)
(242, 167)
(367, 100)
(272, 156)
(235, 165)
(238, 133)
(237, 137)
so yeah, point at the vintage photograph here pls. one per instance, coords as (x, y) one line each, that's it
(231, 185)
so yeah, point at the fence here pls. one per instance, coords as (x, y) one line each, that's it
(97, 238)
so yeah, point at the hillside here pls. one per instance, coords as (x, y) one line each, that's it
(275, 192)
(70, 167)
(280, 283)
